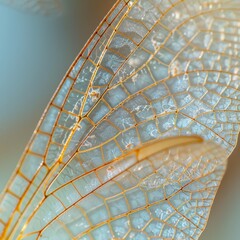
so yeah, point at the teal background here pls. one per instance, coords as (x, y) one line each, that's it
(35, 53)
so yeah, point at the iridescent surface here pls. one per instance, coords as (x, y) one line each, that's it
(169, 78)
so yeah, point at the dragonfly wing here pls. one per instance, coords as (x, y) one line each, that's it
(153, 69)
(165, 192)
(57, 126)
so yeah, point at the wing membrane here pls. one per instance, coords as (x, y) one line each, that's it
(44, 151)
(153, 69)
(163, 191)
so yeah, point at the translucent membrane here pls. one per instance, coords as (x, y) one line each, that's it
(153, 70)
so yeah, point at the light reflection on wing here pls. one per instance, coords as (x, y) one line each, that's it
(154, 69)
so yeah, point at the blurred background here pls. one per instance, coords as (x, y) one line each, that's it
(35, 53)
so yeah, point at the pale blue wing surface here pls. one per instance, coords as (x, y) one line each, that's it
(165, 195)
(44, 151)
(154, 69)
